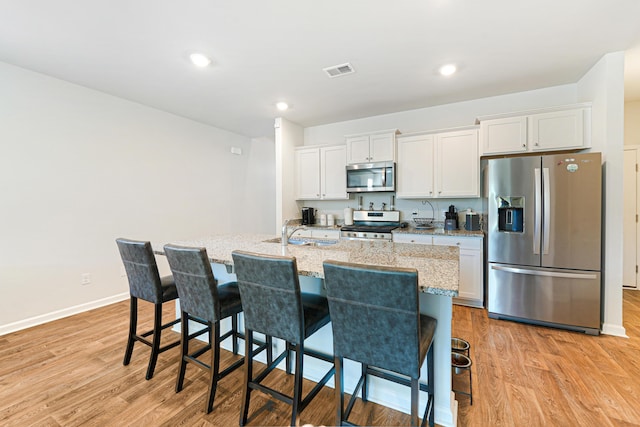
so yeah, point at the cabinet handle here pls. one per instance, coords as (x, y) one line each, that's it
(524, 145)
(440, 192)
(537, 144)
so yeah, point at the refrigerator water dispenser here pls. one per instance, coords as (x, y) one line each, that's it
(511, 214)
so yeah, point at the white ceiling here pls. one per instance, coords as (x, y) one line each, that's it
(265, 51)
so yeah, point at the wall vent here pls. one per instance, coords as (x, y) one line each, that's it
(339, 70)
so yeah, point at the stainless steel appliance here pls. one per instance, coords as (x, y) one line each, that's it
(371, 225)
(371, 177)
(544, 240)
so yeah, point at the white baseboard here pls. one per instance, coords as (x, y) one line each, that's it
(59, 314)
(615, 330)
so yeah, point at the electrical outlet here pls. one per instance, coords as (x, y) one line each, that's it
(85, 278)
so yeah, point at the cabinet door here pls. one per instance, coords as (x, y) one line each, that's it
(471, 280)
(382, 147)
(308, 174)
(508, 135)
(457, 165)
(333, 175)
(415, 167)
(358, 149)
(471, 283)
(558, 130)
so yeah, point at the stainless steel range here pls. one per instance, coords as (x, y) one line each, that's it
(371, 225)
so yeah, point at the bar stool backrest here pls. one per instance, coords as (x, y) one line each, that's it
(196, 284)
(270, 292)
(142, 270)
(375, 315)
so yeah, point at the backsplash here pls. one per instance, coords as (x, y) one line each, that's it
(405, 206)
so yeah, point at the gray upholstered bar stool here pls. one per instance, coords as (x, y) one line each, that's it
(146, 284)
(275, 306)
(376, 321)
(204, 301)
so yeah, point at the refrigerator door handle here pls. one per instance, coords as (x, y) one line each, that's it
(546, 223)
(538, 208)
(518, 270)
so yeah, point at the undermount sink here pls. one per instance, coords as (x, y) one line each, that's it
(307, 241)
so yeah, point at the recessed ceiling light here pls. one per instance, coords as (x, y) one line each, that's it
(282, 106)
(447, 70)
(200, 60)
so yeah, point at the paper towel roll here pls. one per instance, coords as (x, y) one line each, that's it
(348, 216)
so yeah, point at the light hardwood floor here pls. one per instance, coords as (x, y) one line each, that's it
(69, 372)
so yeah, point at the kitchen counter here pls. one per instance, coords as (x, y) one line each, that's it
(438, 231)
(437, 266)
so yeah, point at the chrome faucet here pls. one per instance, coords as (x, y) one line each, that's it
(285, 236)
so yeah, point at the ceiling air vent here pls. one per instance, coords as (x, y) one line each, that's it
(339, 70)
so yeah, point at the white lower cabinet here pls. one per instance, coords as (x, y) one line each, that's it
(471, 280)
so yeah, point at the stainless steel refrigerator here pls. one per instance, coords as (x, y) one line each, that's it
(544, 240)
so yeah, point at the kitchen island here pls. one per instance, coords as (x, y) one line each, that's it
(438, 275)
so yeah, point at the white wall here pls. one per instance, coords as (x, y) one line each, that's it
(632, 123)
(79, 168)
(288, 135)
(442, 116)
(603, 85)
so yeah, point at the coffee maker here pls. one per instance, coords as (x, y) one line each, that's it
(451, 219)
(308, 216)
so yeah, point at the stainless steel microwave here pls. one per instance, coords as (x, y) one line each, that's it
(371, 177)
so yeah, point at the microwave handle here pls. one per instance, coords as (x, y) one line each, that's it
(384, 177)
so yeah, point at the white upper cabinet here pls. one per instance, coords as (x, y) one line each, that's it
(414, 174)
(333, 174)
(457, 171)
(442, 164)
(549, 130)
(371, 147)
(558, 130)
(320, 173)
(308, 174)
(507, 135)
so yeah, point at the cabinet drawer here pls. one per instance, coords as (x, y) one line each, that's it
(424, 239)
(325, 234)
(473, 243)
(302, 233)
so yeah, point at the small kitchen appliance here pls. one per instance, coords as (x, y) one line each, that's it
(371, 225)
(451, 219)
(308, 216)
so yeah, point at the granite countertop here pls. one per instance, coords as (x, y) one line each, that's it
(438, 231)
(438, 266)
